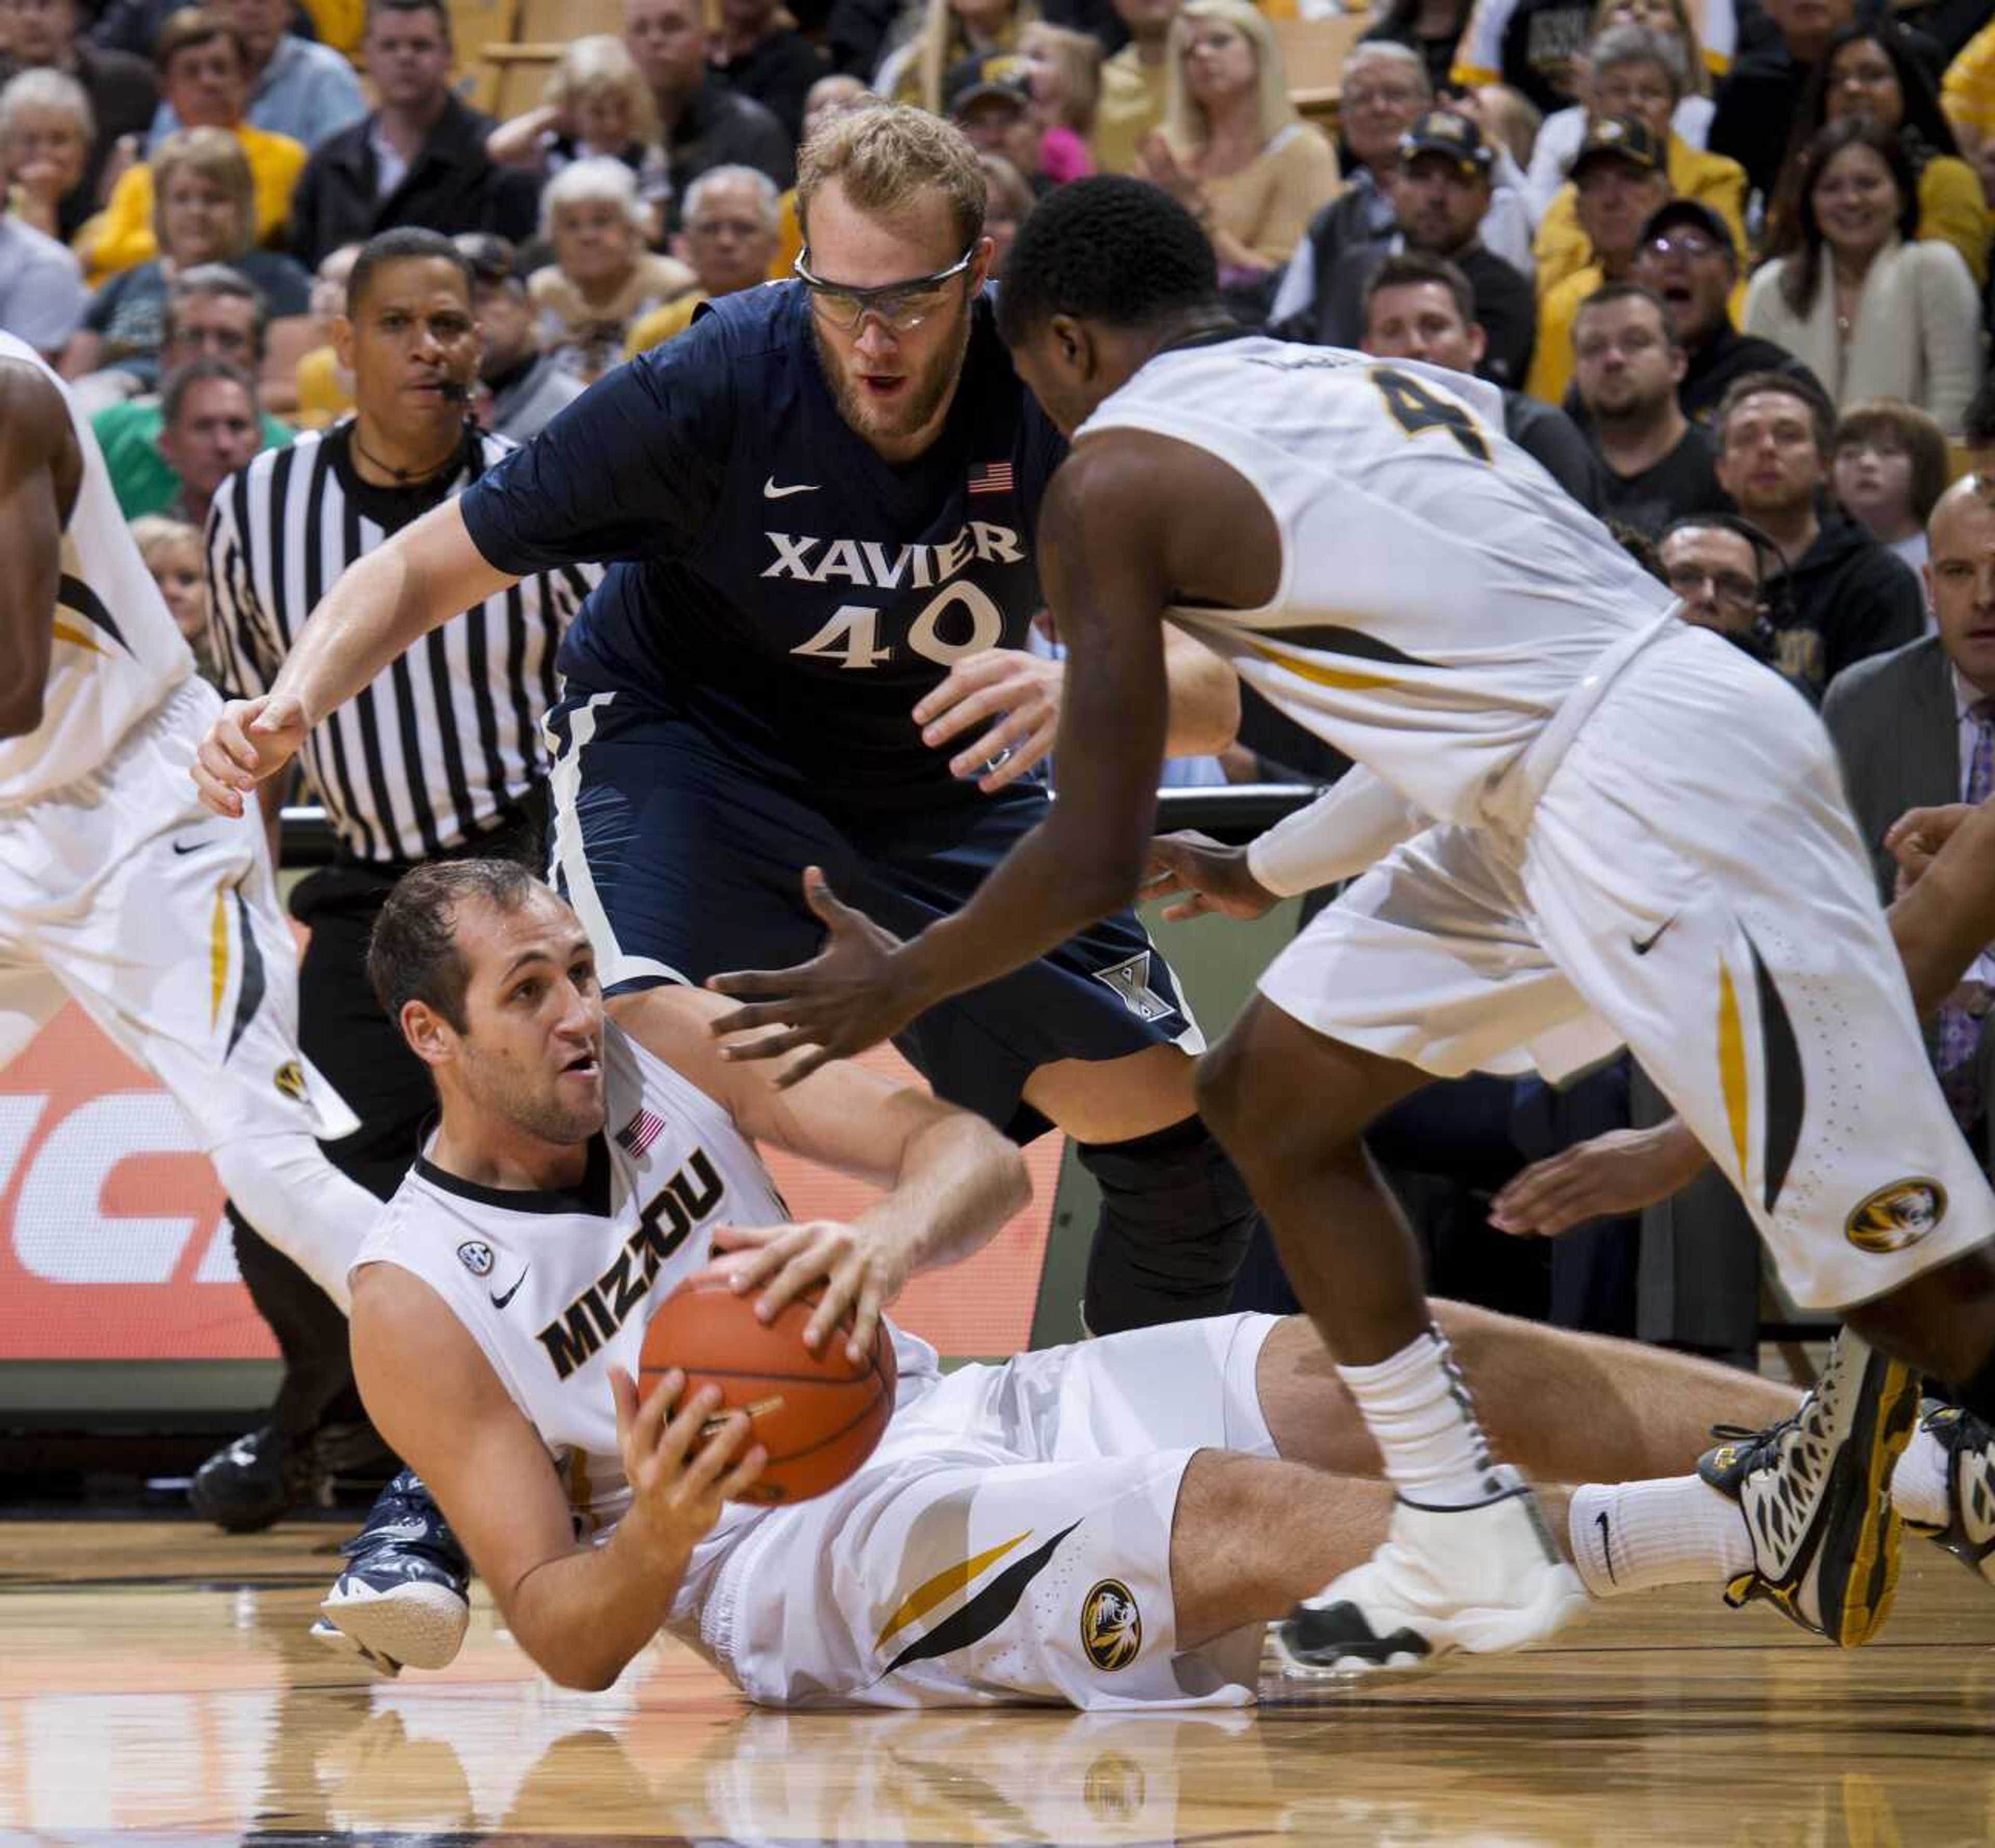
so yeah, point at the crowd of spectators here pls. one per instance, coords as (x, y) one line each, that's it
(1728, 261)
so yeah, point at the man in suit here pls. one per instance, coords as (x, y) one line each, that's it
(1916, 728)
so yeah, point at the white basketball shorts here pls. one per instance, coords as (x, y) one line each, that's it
(1010, 1540)
(161, 920)
(1690, 884)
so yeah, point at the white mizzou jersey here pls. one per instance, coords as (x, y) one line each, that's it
(556, 1288)
(116, 652)
(1440, 595)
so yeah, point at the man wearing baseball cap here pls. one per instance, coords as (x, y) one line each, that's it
(1439, 196)
(1686, 256)
(1622, 177)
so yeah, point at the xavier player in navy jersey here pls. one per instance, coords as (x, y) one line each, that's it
(817, 508)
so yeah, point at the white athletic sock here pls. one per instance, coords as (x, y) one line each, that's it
(1417, 1408)
(1918, 1484)
(1635, 1536)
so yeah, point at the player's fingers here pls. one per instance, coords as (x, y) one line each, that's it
(865, 1319)
(651, 1415)
(841, 1292)
(676, 1439)
(979, 703)
(1196, 905)
(1016, 732)
(830, 908)
(772, 1045)
(721, 1440)
(791, 1076)
(623, 1396)
(742, 1477)
(961, 681)
(786, 1268)
(757, 984)
(222, 797)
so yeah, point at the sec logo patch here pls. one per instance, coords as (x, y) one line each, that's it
(1896, 1216)
(1111, 1627)
(475, 1257)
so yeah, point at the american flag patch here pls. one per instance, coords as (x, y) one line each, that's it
(641, 1132)
(992, 478)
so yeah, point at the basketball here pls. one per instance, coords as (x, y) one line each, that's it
(818, 1415)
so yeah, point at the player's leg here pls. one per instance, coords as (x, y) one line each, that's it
(1727, 926)
(1423, 968)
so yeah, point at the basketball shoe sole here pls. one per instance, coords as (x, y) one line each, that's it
(1477, 1581)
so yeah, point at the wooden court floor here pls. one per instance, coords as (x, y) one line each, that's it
(156, 1685)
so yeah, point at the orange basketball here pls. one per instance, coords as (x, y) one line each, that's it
(818, 1415)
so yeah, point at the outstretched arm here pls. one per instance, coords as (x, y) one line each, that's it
(382, 606)
(1106, 573)
(40, 468)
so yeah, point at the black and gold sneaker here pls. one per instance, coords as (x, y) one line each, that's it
(1815, 1491)
(1969, 1445)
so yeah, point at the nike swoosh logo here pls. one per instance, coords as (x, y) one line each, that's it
(1607, 1548)
(191, 846)
(771, 491)
(500, 1302)
(400, 1530)
(1641, 946)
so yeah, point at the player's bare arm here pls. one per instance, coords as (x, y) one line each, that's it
(1940, 923)
(41, 469)
(951, 1181)
(1132, 522)
(582, 1612)
(379, 609)
(1020, 692)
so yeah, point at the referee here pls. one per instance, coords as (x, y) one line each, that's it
(441, 756)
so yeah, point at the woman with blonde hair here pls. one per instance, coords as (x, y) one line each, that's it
(47, 128)
(203, 212)
(1064, 70)
(596, 106)
(602, 278)
(1232, 150)
(946, 32)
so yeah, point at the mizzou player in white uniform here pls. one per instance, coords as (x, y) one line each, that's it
(1586, 823)
(117, 889)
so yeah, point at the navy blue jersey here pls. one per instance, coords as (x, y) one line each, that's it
(774, 581)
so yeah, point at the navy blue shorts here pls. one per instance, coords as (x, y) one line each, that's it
(680, 866)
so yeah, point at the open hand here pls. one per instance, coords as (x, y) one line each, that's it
(861, 1271)
(250, 740)
(847, 997)
(1019, 692)
(1621, 1171)
(1204, 877)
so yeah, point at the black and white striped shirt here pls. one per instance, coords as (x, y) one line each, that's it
(446, 740)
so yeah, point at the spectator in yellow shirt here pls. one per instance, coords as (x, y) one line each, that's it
(1623, 178)
(1638, 75)
(1967, 94)
(1132, 85)
(730, 235)
(204, 75)
(1870, 71)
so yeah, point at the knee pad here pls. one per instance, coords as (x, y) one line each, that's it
(1175, 1223)
(296, 1200)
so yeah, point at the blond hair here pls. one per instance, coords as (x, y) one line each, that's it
(154, 534)
(600, 63)
(939, 42)
(1184, 120)
(886, 155)
(217, 156)
(1077, 56)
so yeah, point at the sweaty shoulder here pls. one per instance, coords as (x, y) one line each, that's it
(35, 430)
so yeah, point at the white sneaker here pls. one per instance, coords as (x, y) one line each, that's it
(1481, 1579)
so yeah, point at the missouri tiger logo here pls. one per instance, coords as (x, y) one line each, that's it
(289, 1079)
(1896, 1216)
(1112, 1627)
